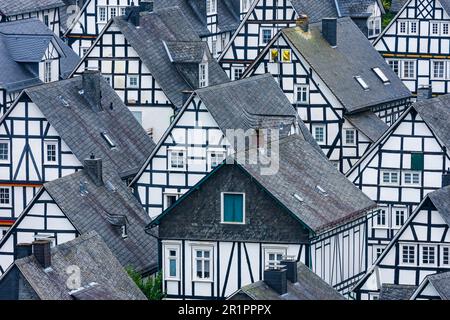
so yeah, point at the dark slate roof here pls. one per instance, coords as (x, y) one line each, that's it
(101, 273)
(441, 282)
(353, 56)
(156, 29)
(396, 291)
(186, 52)
(368, 123)
(397, 5)
(356, 8)
(104, 209)
(13, 7)
(228, 13)
(436, 113)
(309, 287)
(22, 45)
(80, 126)
(441, 200)
(315, 10)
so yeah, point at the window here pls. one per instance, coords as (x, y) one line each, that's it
(374, 26)
(413, 27)
(411, 178)
(301, 93)
(211, 6)
(233, 208)
(438, 69)
(51, 151)
(350, 136)
(102, 14)
(108, 140)
(245, 5)
(273, 256)
(133, 82)
(202, 263)
(319, 133)
(435, 28)
(266, 36)
(5, 196)
(203, 75)
(83, 51)
(444, 29)
(381, 219)
(417, 161)
(46, 22)
(399, 216)
(402, 28)
(445, 256)
(215, 158)
(286, 55)
(362, 83)
(112, 12)
(274, 55)
(395, 65)
(409, 69)
(4, 151)
(381, 75)
(428, 255)
(378, 252)
(123, 11)
(172, 262)
(237, 73)
(170, 199)
(408, 253)
(177, 159)
(390, 177)
(214, 47)
(47, 71)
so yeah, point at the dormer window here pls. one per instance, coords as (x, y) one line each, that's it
(211, 6)
(362, 83)
(381, 75)
(203, 75)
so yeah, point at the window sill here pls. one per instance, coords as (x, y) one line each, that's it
(233, 223)
(202, 281)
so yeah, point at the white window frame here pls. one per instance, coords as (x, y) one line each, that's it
(421, 247)
(298, 87)
(412, 173)
(374, 24)
(380, 74)
(167, 249)
(375, 255)
(47, 71)
(196, 248)
(210, 152)
(441, 260)
(169, 158)
(390, 183)
(314, 127)
(48, 143)
(100, 9)
(133, 86)
(116, 11)
(410, 27)
(400, 23)
(386, 219)
(394, 210)
(273, 250)
(122, 10)
(398, 63)
(233, 73)
(345, 137)
(222, 205)
(203, 80)
(402, 245)
(362, 83)
(263, 43)
(9, 204)
(434, 63)
(447, 25)
(8, 143)
(403, 63)
(170, 194)
(432, 24)
(211, 7)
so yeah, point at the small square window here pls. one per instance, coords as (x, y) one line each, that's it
(350, 137)
(4, 151)
(5, 196)
(236, 73)
(445, 252)
(170, 199)
(233, 208)
(177, 159)
(133, 81)
(301, 94)
(319, 133)
(266, 35)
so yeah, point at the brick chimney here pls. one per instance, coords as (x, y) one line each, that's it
(424, 93)
(91, 89)
(291, 268)
(94, 168)
(41, 251)
(132, 14)
(329, 30)
(275, 277)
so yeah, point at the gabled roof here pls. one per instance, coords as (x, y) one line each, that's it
(353, 56)
(102, 276)
(306, 184)
(357, 8)
(308, 287)
(441, 200)
(368, 123)
(14, 7)
(105, 209)
(396, 291)
(80, 126)
(22, 45)
(315, 10)
(186, 52)
(441, 283)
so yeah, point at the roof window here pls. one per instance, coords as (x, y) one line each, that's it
(108, 139)
(321, 191)
(381, 75)
(297, 197)
(362, 83)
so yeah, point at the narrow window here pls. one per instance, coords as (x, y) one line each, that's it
(202, 262)
(266, 36)
(5, 196)
(400, 217)
(402, 27)
(409, 69)
(286, 55)
(445, 256)
(108, 139)
(203, 75)
(170, 200)
(46, 22)
(274, 55)
(319, 133)
(47, 71)
(435, 28)
(211, 6)
(381, 75)
(102, 14)
(362, 82)
(350, 136)
(301, 93)
(245, 5)
(417, 161)
(438, 69)
(123, 10)
(379, 252)
(177, 159)
(4, 151)
(413, 27)
(233, 207)
(395, 65)
(382, 218)
(112, 12)
(428, 255)
(445, 29)
(172, 262)
(51, 151)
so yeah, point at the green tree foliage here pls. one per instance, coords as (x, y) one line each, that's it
(386, 19)
(151, 286)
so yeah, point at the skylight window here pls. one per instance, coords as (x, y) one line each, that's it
(321, 190)
(362, 83)
(296, 196)
(381, 75)
(108, 139)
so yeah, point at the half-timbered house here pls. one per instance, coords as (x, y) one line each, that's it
(238, 220)
(153, 61)
(339, 85)
(92, 17)
(196, 140)
(433, 287)
(30, 54)
(215, 21)
(45, 10)
(405, 164)
(420, 248)
(52, 128)
(265, 18)
(416, 44)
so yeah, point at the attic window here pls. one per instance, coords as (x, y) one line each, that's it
(362, 83)
(203, 75)
(321, 190)
(108, 139)
(381, 75)
(297, 197)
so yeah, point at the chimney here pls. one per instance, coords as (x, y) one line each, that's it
(94, 168)
(24, 250)
(132, 14)
(303, 22)
(424, 93)
(291, 268)
(275, 277)
(146, 6)
(91, 88)
(41, 251)
(329, 30)
(446, 178)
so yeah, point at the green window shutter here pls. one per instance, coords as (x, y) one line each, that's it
(417, 161)
(233, 210)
